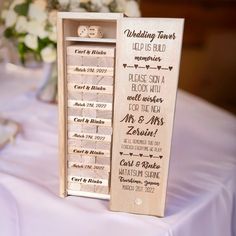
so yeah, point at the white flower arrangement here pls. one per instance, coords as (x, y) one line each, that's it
(32, 23)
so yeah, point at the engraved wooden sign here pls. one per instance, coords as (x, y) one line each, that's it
(148, 57)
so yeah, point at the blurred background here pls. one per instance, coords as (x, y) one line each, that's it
(208, 67)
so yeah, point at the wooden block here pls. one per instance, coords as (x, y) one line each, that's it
(74, 60)
(104, 114)
(89, 136)
(89, 121)
(90, 61)
(90, 88)
(83, 79)
(89, 173)
(99, 168)
(76, 150)
(80, 159)
(81, 104)
(91, 50)
(104, 130)
(103, 145)
(103, 161)
(80, 128)
(107, 98)
(90, 70)
(87, 180)
(85, 190)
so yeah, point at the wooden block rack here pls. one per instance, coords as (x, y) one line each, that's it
(86, 75)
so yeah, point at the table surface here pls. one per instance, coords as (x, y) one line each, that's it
(201, 194)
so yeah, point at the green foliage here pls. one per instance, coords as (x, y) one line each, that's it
(22, 50)
(22, 9)
(87, 6)
(53, 4)
(42, 43)
(113, 6)
(9, 32)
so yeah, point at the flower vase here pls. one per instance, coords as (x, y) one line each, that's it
(48, 90)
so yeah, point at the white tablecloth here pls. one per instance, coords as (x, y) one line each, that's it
(201, 195)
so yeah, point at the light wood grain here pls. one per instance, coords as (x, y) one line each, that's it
(62, 104)
(129, 189)
(80, 148)
(100, 40)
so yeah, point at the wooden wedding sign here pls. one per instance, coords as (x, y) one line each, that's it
(116, 107)
(148, 57)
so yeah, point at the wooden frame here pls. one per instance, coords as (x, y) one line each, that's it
(67, 24)
(140, 117)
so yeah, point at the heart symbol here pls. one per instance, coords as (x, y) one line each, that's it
(151, 156)
(131, 154)
(136, 66)
(125, 65)
(140, 154)
(160, 157)
(170, 68)
(147, 66)
(158, 67)
(121, 153)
